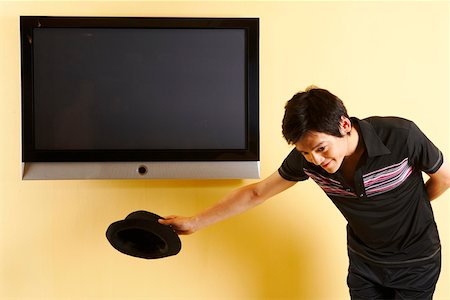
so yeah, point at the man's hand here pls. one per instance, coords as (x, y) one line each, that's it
(181, 225)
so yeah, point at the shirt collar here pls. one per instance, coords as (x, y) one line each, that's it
(374, 146)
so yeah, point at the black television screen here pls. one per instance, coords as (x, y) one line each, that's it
(125, 89)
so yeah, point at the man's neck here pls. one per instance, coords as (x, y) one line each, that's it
(355, 151)
(354, 142)
(355, 147)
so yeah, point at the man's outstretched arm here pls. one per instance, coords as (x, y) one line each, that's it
(238, 201)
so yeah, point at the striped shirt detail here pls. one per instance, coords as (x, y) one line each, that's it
(386, 179)
(329, 186)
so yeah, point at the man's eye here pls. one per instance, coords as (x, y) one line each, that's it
(321, 149)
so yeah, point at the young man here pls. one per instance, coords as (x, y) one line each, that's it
(372, 171)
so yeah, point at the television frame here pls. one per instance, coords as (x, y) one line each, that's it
(142, 163)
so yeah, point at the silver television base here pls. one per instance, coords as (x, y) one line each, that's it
(141, 170)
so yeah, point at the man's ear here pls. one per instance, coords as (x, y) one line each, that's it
(345, 126)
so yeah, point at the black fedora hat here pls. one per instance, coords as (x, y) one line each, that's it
(141, 235)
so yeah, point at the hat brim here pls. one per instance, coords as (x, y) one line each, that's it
(140, 235)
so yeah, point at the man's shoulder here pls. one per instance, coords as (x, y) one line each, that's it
(390, 122)
(390, 130)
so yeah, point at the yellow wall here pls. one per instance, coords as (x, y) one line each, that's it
(381, 58)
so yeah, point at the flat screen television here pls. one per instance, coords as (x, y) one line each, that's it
(138, 97)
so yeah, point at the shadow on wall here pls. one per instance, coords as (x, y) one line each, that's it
(277, 253)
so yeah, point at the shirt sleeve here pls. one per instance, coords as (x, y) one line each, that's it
(424, 154)
(292, 167)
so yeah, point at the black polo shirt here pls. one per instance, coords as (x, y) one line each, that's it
(389, 215)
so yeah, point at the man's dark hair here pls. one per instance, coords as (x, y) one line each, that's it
(313, 110)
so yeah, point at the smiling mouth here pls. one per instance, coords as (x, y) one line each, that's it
(325, 165)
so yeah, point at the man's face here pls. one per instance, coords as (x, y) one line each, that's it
(323, 150)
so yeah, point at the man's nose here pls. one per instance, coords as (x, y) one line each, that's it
(316, 159)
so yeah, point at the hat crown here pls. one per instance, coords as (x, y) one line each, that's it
(143, 215)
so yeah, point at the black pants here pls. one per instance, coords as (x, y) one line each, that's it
(417, 280)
